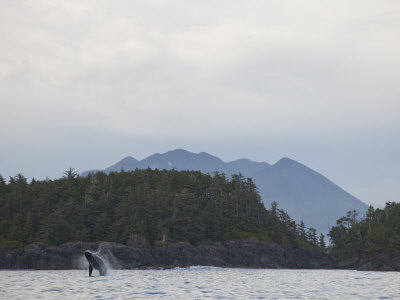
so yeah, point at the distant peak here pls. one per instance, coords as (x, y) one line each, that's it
(180, 151)
(287, 161)
(242, 160)
(128, 158)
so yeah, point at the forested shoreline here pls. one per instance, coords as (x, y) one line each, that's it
(373, 238)
(161, 206)
(169, 207)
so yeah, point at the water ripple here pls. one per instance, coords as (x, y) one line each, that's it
(199, 283)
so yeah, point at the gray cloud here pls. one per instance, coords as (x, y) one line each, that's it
(313, 80)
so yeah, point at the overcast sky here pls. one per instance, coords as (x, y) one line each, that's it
(85, 83)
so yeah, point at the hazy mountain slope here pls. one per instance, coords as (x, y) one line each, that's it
(305, 194)
(248, 166)
(127, 164)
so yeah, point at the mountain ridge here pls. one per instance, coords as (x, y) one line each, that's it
(304, 193)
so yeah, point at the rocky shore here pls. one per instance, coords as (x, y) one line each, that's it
(137, 255)
(382, 262)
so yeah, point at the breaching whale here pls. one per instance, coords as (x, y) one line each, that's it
(95, 262)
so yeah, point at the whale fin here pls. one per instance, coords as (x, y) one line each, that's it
(90, 270)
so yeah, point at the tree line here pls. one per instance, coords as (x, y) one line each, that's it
(377, 233)
(159, 205)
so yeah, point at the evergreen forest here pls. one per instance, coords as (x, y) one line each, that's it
(159, 205)
(376, 234)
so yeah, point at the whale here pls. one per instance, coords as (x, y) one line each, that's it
(95, 262)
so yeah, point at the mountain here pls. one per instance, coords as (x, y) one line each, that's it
(184, 160)
(304, 193)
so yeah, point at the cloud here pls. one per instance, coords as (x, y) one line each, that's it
(208, 73)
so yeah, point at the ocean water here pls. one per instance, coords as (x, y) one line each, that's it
(200, 283)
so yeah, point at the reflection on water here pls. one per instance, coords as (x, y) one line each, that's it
(200, 282)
